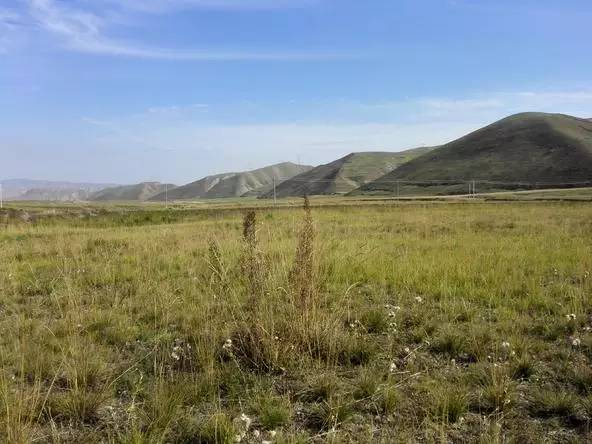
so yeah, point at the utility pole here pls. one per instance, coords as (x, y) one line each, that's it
(474, 192)
(274, 194)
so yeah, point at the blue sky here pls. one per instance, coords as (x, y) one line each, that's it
(131, 90)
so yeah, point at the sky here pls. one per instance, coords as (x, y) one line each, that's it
(123, 91)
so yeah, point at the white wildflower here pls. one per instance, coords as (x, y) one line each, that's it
(227, 345)
(392, 314)
(246, 420)
(418, 299)
(576, 342)
(571, 317)
(272, 433)
(505, 344)
(256, 433)
(393, 367)
(407, 350)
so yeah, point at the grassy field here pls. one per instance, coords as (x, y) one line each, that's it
(410, 322)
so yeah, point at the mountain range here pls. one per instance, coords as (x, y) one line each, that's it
(141, 191)
(346, 174)
(249, 183)
(523, 151)
(27, 189)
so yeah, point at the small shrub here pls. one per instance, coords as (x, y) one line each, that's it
(256, 350)
(523, 368)
(217, 429)
(580, 376)
(355, 351)
(586, 405)
(77, 405)
(547, 403)
(322, 388)
(328, 415)
(497, 390)
(375, 321)
(449, 404)
(448, 342)
(388, 399)
(366, 385)
(273, 411)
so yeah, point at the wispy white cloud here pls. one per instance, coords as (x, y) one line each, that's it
(160, 6)
(97, 122)
(83, 30)
(10, 22)
(203, 107)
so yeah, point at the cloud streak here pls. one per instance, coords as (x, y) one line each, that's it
(163, 6)
(82, 31)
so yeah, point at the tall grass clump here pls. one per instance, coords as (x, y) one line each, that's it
(217, 266)
(252, 262)
(255, 346)
(303, 274)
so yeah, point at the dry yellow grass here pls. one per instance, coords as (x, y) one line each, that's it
(431, 322)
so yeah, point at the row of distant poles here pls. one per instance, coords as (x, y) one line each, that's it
(472, 192)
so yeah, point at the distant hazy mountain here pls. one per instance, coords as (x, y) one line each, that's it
(346, 174)
(523, 151)
(249, 183)
(27, 189)
(141, 192)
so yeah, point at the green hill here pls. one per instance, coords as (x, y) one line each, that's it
(141, 191)
(248, 183)
(523, 151)
(346, 174)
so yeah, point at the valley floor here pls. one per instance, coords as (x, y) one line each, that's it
(390, 322)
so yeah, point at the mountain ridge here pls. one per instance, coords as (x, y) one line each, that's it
(527, 148)
(345, 174)
(136, 192)
(236, 184)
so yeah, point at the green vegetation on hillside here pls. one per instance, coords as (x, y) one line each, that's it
(524, 151)
(387, 323)
(346, 174)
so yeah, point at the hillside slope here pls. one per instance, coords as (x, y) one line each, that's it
(248, 183)
(346, 174)
(141, 192)
(256, 182)
(523, 151)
